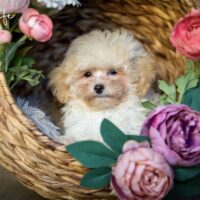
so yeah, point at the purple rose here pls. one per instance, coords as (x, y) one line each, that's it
(174, 131)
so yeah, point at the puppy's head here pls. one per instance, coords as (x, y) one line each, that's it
(103, 69)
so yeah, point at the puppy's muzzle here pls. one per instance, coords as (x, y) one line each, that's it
(99, 88)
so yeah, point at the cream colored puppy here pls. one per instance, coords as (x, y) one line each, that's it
(103, 75)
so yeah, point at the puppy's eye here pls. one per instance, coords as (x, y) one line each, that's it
(87, 74)
(112, 72)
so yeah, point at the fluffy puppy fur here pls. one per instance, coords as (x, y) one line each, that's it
(103, 75)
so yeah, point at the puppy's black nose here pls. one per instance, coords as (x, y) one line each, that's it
(99, 88)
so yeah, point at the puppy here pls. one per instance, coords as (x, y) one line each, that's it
(103, 75)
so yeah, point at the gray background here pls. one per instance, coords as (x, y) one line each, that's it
(11, 189)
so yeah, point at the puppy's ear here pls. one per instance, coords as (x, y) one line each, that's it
(145, 72)
(57, 79)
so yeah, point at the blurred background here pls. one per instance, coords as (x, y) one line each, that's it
(11, 189)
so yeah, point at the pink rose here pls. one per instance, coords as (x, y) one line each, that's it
(141, 173)
(13, 6)
(36, 25)
(186, 35)
(5, 36)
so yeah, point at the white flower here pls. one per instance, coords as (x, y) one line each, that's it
(59, 4)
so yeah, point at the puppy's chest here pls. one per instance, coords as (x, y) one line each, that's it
(86, 124)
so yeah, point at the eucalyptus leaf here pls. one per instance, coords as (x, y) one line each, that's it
(97, 178)
(92, 154)
(185, 173)
(113, 136)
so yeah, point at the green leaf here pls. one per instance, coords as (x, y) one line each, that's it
(113, 136)
(189, 188)
(22, 61)
(17, 62)
(186, 82)
(139, 138)
(24, 51)
(197, 68)
(185, 173)
(189, 65)
(169, 90)
(10, 50)
(28, 61)
(18, 73)
(97, 178)
(2, 55)
(162, 99)
(148, 105)
(92, 154)
(192, 98)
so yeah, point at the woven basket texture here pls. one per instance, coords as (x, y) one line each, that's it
(45, 166)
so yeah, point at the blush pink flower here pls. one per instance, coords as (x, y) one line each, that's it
(185, 36)
(13, 6)
(141, 173)
(35, 25)
(5, 36)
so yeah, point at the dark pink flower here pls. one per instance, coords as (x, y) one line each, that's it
(185, 36)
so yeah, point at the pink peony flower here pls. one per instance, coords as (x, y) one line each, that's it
(35, 25)
(174, 131)
(141, 173)
(13, 6)
(5, 36)
(185, 36)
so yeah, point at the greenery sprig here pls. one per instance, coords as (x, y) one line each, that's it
(175, 93)
(18, 67)
(99, 157)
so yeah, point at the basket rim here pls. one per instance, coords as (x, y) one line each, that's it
(44, 140)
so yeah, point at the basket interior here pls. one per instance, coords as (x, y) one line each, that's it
(150, 21)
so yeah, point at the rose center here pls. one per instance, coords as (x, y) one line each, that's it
(151, 177)
(194, 30)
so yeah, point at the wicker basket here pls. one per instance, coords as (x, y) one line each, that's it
(38, 162)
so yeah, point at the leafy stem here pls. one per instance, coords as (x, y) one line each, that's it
(10, 50)
(173, 93)
(14, 84)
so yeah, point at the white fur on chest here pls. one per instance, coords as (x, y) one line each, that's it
(80, 123)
